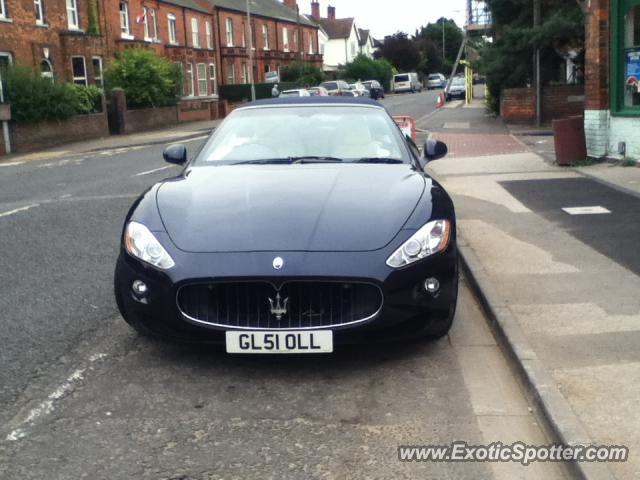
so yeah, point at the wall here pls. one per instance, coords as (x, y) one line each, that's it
(518, 105)
(37, 136)
(149, 118)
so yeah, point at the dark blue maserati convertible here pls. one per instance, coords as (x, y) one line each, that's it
(300, 224)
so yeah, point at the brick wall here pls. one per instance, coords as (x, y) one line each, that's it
(518, 105)
(36, 136)
(149, 118)
(597, 55)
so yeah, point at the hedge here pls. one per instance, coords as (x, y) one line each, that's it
(239, 92)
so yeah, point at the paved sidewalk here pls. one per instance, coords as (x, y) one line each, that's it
(174, 133)
(563, 283)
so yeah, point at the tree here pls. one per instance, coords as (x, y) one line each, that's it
(365, 68)
(430, 36)
(401, 51)
(302, 73)
(147, 79)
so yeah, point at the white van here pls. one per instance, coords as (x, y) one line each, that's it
(406, 82)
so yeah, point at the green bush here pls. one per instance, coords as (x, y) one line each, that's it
(90, 98)
(147, 79)
(34, 98)
(239, 92)
(365, 68)
(301, 73)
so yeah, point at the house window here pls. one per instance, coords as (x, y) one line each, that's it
(353, 48)
(97, 70)
(37, 4)
(3, 10)
(201, 71)
(322, 49)
(625, 79)
(245, 76)
(265, 37)
(212, 78)
(207, 31)
(244, 34)
(195, 33)
(285, 39)
(46, 69)
(295, 41)
(231, 73)
(311, 52)
(72, 15)
(229, 32)
(179, 65)
(189, 80)
(79, 69)
(171, 19)
(150, 24)
(125, 27)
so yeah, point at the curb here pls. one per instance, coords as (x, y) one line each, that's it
(559, 420)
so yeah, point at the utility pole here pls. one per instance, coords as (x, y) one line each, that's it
(537, 14)
(443, 42)
(250, 45)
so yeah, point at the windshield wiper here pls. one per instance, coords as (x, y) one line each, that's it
(378, 160)
(315, 159)
(264, 161)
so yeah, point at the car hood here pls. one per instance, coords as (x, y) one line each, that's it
(289, 208)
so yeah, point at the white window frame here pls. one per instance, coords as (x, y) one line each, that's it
(84, 78)
(172, 27)
(202, 80)
(97, 77)
(265, 37)
(311, 50)
(245, 73)
(125, 20)
(73, 20)
(229, 32)
(145, 23)
(9, 57)
(285, 39)
(150, 21)
(48, 74)
(189, 75)
(231, 74)
(296, 47)
(208, 34)
(3, 10)
(39, 11)
(195, 32)
(213, 76)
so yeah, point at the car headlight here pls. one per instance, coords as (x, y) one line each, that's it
(141, 243)
(431, 238)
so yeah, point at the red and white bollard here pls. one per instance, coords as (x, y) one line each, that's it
(440, 101)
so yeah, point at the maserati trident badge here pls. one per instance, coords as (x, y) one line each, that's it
(278, 263)
(279, 307)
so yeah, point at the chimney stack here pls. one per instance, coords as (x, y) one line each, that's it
(291, 4)
(315, 10)
(331, 12)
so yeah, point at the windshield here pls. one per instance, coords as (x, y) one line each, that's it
(330, 85)
(342, 133)
(401, 78)
(434, 77)
(458, 82)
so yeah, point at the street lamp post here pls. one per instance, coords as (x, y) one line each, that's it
(250, 45)
(443, 41)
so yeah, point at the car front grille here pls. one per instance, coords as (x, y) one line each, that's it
(296, 304)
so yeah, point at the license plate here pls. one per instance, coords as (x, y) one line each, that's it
(290, 341)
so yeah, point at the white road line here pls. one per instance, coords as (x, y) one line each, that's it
(17, 210)
(595, 210)
(10, 164)
(148, 172)
(48, 405)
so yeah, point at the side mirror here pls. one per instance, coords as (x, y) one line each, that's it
(434, 150)
(176, 153)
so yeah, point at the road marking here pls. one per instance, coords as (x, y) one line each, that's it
(148, 172)
(457, 125)
(595, 210)
(48, 405)
(17, 210)
(10, 164)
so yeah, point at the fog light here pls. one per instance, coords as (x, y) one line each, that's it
(431, 285)
(139, 287)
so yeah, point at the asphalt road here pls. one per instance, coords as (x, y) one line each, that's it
(82, 395)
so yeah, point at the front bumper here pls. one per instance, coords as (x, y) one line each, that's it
(406, 312)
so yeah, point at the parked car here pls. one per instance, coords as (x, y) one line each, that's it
(457, 89)
(289, 233)
(406, 82)
(359, 89)
(436, 80)
(300, 92)
(318, 92)
(375, 89)
(336, 88)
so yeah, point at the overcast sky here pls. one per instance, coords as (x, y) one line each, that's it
(385, 18)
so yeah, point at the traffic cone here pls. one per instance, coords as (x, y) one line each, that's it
(440, 102)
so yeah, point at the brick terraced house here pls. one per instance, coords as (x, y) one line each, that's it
(280, 35)
(612, 78)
